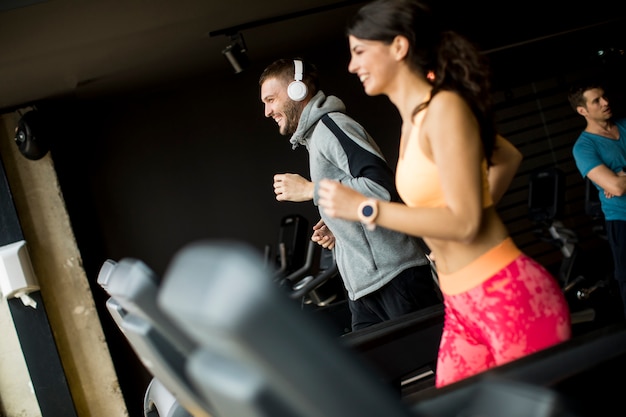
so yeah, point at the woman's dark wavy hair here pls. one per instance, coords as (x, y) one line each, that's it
(457, 63)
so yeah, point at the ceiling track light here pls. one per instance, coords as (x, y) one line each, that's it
(236, 53)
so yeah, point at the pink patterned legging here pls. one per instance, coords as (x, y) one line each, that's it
(518, 311)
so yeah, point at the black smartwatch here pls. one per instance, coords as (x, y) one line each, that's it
(368, 211)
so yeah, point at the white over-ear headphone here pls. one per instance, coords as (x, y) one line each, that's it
(297, 90)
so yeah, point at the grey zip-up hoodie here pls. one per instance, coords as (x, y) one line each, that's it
(367, 260)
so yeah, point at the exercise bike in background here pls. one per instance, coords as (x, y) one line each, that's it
(588, 284)
(308, 273)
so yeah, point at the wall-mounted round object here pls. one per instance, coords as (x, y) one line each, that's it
(30, 137)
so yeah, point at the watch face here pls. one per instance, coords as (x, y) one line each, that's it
(367, 210)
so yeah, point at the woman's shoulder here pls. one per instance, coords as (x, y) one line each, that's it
(447, 98)
(449, 105)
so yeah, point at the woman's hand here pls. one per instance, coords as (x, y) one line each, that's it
(339, 201)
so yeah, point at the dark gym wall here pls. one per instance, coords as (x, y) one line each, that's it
(144, 173)
(150, 172)
(147, 172)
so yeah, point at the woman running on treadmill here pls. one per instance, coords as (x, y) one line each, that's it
(500, 304)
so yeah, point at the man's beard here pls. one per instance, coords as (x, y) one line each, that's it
(292, 118)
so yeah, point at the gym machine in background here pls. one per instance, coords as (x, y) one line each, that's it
(403, 350)
(589, 291)
(308, 273)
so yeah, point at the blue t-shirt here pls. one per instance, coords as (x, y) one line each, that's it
(591, 150)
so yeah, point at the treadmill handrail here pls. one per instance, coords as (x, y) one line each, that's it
(315, 282)
(306, 268)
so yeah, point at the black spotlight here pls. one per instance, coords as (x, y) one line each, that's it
(29, 136)
(236, 53)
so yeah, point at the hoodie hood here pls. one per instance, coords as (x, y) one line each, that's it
(319, 105)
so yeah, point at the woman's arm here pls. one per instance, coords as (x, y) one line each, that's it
(506, 160)
(454, 143)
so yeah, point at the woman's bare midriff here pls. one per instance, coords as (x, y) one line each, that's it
(451, 256)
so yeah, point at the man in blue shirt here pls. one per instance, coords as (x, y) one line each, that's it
(600, 155)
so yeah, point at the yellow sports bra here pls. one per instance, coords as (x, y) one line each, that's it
(417, 178)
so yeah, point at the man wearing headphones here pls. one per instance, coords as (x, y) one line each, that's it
(386, 274)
